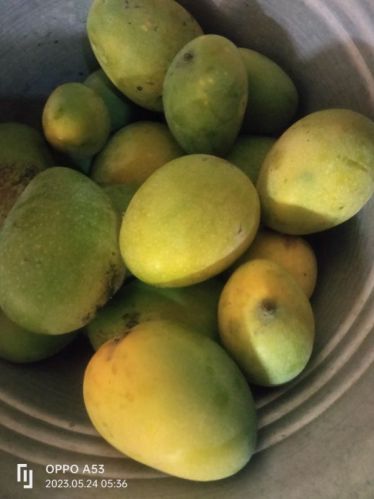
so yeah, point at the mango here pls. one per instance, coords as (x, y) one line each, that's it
(121, 110)
(266, 323)
(195, 306)
(205, 95)
(20, 346)
(172, 399)
(293, 253)
(189, 221)
(134, 153)
(59, 254)
(23, 154)
(273, 97)
(120, 196)
(249, 152)
(76, 120)
(135, 42)
(319, 173)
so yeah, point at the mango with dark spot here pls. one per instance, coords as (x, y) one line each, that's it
(194, 306)
(266, 322)
(172, 399)
(135, 42)
(23, 154)
(59, 254)
(205, 95)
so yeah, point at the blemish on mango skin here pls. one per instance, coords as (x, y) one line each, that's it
(188, 56)
(131, 319)
(12, 183)
(268, 307)
(112, 345)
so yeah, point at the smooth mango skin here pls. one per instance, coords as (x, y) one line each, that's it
(249, 152)
(20, 346)
(121, 110)
(134, 153)
(135, 42)
(266, 323)
(172, 399)
(76, 120)
(319, 173)
(195, 306)
(205, 95)
(59, 254)
(273, 97)
(23, 154)
(293, 253)
(189, 221)
(120, 196)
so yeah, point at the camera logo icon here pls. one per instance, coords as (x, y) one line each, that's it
(25, 476)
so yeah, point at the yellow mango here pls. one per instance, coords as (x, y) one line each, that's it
(266, 322)
(172, 399)
(189, 221)
(293, 253)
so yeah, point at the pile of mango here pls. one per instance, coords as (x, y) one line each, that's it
(172, 234)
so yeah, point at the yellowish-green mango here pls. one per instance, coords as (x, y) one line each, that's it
(195, 306)
(120, 195)
(121, 110)
(23, 154)
(134, 153)
(249, 152)
(293, 253)
(189, 221)
(319, 173)
(59, 254)
(135, 42)
(21, 346)
(76, 120)
(273, 98)
(205, 95)
(172, 399)
(266, 322)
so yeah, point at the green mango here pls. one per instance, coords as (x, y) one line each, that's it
(194, 306)
(59, 254)
(134, 153)
(205, 95)
(23, 154)
(76, 121)
(319, 173)
(120, 195)
(249, 152)
(136, 40)
(266, 322)
(121, 110)
(273, 97)
(189, 221)
(21, 346)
